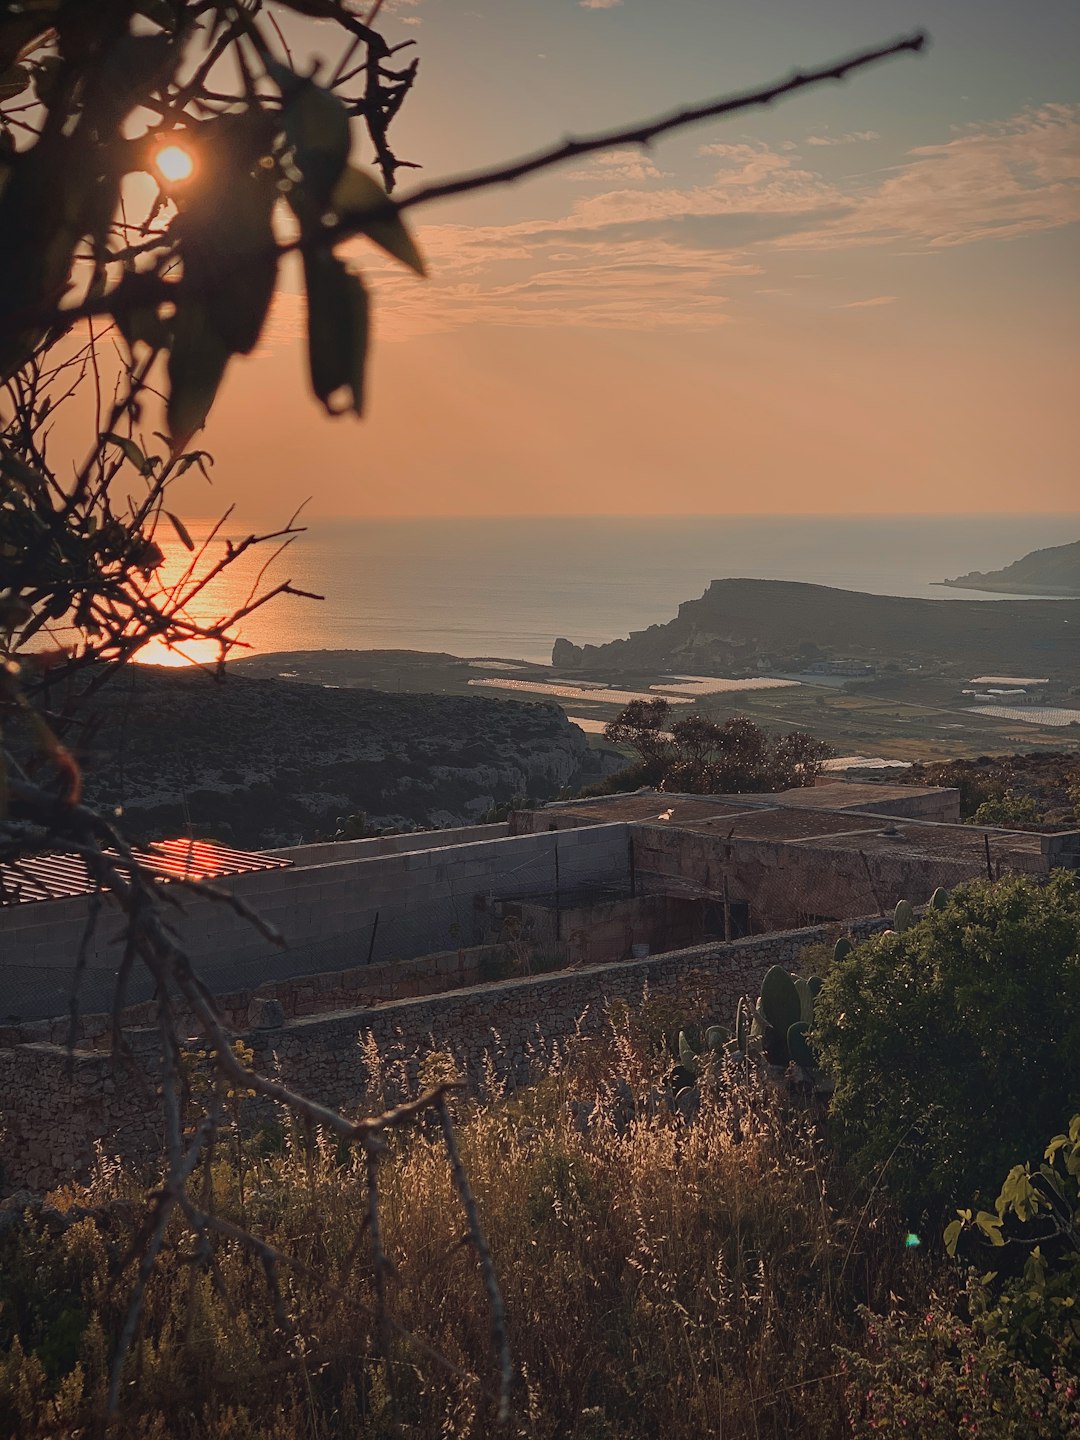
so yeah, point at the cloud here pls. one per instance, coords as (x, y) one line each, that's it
(645, 254)
(628, 165)
(599, 4)
(867, 304)
(849, 137)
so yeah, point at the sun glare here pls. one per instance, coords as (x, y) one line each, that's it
(174, 163)
(189, 652)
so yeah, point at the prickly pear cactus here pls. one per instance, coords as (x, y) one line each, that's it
(939, 899)
(780, 1000)
(903, 916)
(842, 948)
(799, 1047)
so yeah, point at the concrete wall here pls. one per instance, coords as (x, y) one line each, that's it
(326, 913)
(53, 1108)
(785, 883)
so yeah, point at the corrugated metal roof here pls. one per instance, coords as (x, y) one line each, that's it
(54, 875)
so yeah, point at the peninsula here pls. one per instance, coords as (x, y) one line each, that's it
(1055, 571)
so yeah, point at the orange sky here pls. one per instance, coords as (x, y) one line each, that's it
(863, 300)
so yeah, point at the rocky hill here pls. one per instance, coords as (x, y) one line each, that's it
(269, 762)
(742, 624)
(1055, 571)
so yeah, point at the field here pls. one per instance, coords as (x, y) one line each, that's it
(901, 716)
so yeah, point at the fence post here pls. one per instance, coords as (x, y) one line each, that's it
(631, 866)
(371, 942)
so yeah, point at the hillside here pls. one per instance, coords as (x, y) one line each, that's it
(1055, 571)
(265, 762)
(784, 624)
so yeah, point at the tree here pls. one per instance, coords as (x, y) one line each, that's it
(703, 756)
(250, 161)
(955, 1046)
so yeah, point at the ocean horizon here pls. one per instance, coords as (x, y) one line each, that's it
(509, 587)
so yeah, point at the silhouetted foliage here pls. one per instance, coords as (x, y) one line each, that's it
(699, 755)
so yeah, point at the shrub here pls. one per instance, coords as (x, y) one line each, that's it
(1036, 1216)
(955, 1046)
(938, 1377)
(1008, 812)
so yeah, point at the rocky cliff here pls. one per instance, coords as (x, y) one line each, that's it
(270, 762)
(1055, 571)
(741, 624)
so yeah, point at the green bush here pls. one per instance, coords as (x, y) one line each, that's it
(955, 1046)
(1008, 812)
(938, 1377)
(1037, 1216)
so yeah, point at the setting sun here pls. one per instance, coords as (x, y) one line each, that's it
(187, 653)
(174, 163)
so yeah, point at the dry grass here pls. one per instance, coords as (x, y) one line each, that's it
(660, 1278)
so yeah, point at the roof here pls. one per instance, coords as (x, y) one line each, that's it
(55, 875)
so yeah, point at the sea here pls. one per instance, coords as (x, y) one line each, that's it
(509, 587)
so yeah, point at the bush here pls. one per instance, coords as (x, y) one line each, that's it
(955, 1046)
(1036, 1217)
(938, 1377)
(1008, 812)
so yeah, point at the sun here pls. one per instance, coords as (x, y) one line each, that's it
(184, 654)
(174, 163)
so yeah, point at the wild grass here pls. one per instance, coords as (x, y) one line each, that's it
(660, 1276)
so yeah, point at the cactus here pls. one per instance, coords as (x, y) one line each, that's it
(799, 1047)
(779, 1000)
(939, 899)
(903, 916)
(841, 949)
(814, 985)
(688, 1055)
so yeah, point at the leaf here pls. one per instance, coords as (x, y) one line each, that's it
(13, 81)
(317, 128)
(197, 363)
(226, 232)
(360, 202)
(181, 530)
(952, 1235)
(990, 1226)
(337, 331)
(130, 449)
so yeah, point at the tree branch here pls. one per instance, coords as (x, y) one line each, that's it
(647, 131)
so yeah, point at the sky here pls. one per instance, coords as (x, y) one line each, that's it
(861, 300)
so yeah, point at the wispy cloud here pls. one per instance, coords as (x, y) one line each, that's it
(599, 4)
(645, 254)
(874, 300)
(849, 137)
(628, 165)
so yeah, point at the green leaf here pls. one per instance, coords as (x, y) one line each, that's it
(953, 1232)
(197, 363)
(337, 332)
(181, 530)
(990, 1226)
(130, 449)
(317, 128)
(226, 232)
(360, 202)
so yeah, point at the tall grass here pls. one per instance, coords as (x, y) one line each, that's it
(661, 1277)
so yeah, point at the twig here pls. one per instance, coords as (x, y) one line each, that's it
(487, 1269)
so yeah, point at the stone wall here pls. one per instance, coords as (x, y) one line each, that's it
(54, 1107)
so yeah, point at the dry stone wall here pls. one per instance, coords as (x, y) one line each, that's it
(55, 1108)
